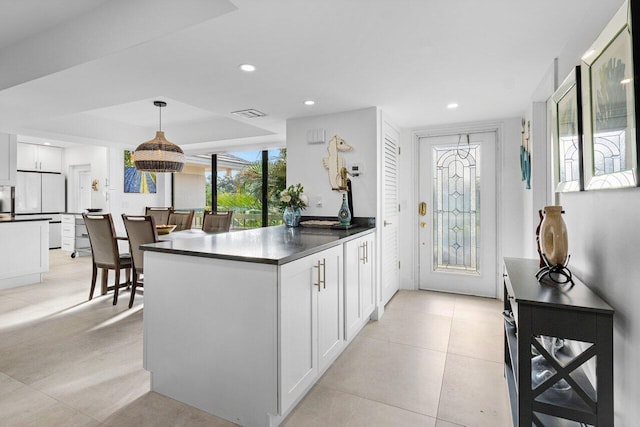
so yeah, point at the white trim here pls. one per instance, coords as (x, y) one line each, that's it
(453, 129)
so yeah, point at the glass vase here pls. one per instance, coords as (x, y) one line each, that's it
(291, 216)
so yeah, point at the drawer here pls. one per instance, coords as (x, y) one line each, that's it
(68, 219)
(68, 244)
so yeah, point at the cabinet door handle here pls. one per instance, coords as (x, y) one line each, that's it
(319, 281)
(366, 252)
(364, 257)
(324, 273)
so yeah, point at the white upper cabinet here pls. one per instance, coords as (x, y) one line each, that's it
(39, 158)
(7, 159)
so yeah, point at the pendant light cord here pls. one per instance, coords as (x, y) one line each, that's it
(160, 114)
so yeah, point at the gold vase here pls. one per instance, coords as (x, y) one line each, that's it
(554, 244)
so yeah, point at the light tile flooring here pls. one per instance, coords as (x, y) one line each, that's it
(433, 360)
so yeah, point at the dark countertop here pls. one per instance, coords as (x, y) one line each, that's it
(8, 219)
(270, 245)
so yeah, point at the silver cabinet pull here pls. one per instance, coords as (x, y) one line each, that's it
(366, 252)
(318, 277)
(364, 257)
(324, 273)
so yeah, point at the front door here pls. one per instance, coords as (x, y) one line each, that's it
(457, 221)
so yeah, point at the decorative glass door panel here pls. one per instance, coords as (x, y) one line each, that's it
(456, 208)
(457, 213)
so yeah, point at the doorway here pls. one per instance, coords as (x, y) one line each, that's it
(457, 213)
(80, 190)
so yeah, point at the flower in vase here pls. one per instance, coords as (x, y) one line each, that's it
(293, 197)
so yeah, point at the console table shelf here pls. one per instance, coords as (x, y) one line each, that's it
(580, 324)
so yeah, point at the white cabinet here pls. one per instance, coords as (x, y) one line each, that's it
(69, 233)
(311, 321)
(359, 284)
(7, 159)
(75, 238)
(40, 158)
(25, 256)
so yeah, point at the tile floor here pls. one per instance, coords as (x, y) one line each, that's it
(433, 360)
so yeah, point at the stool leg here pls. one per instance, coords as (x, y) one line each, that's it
(94, 276)
(133, 288)
(105, 275)
(116, 287)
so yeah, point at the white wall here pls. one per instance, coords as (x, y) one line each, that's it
(603, 229)
(189, 188)
(538, 196)
(304, 161)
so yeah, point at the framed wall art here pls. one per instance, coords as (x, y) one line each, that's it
(136, 181)
(566, 113)
(610, 148)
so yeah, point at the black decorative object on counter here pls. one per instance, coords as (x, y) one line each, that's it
(557, 273)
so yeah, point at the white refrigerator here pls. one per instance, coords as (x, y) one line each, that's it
(43, 195)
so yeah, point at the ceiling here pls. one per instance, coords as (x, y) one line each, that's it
(87, 71)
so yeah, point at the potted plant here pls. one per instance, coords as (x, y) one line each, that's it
(293, 201)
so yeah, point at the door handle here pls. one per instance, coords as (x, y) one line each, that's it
(364, 256)
(422, 208)
(387, 223)
(324, 273)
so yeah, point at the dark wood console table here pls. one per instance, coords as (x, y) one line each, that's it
(562, 389)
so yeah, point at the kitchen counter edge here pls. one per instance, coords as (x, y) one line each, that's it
(341, 236)
(9, 220)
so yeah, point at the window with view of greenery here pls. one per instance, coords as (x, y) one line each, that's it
(239, 186)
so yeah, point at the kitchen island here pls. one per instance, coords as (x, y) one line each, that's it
(242, 324)
(24, 252)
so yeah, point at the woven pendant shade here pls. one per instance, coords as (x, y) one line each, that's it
(159, 154)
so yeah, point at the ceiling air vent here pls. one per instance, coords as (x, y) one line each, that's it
(248, 114)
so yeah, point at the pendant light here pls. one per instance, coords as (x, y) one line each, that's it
(159, 154)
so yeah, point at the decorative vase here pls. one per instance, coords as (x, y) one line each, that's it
(554, 244)
(291, 216)
(344, 214)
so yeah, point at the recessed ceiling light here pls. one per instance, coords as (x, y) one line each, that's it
(588, 53)
(625, 81)
(309, 102)
(47, 143)
(248, 68)
(452, 106)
